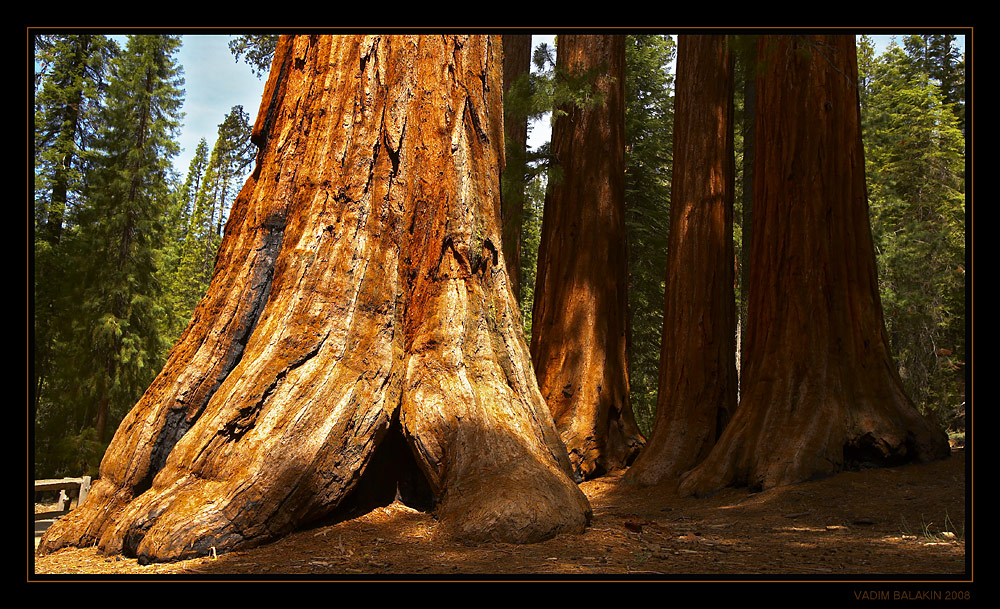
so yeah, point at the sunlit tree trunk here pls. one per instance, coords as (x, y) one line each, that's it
(358, 302)
(820, 392)
(697, 385)
(578, 342)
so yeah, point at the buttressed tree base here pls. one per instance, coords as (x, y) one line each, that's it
(579, 322)
(359, 300)
(819, 392)
(697, 383)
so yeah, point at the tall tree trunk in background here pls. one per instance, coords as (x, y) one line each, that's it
(746, 221)
(66, 138)
(516, 63)
(697, 385)
(579, 319)
(820, 392)
(358, 302)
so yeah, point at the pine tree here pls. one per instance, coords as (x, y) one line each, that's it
(531, 236)
(66, 105)
(937, 56)
(122, 229)
(914, 151)
(181, 262)
(70, 80)
(231, 156)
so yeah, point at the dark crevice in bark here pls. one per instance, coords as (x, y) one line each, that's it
(476, 121)
(174, 427)
(244, 422)
(481, 262)
(391, 475)
(868, 452)
(132, 539)
(393, 155)
(179, 421)
(449, 244)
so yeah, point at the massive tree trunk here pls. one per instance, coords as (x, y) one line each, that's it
(578, 341)
(359, 300)
(516, 64)
(820, 391)
(697, 386)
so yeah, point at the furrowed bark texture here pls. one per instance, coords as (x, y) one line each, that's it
(578, 341)
(698, 382)
(359, 289)
(516, 63)
(820, 391)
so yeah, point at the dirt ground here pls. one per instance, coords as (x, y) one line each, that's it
(900, 524)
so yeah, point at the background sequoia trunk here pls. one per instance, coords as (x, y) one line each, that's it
(578, 341)
(516, 64)
(697, 386)
(360, 300)
(819, 391)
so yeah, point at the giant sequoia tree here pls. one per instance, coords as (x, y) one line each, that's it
(359, 301)
(819, 390)
(697, 385)
(578, 327)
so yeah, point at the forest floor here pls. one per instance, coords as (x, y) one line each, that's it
(901, 524)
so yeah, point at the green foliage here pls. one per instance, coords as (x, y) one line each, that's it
(551, 90)
(123, 225)
(531, 238)
(182, 265)
(557, 88)
(938, 57)
(914, 152)
(648, 169)
(77, 454)
(257, 50)
(201, 210)
(70, 80)
(72, 73)
(107, 302)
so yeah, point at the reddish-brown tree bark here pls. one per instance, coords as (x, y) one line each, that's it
(516, 64)
(698, 382)
(358, 301)
(579, 318)
(820, 391)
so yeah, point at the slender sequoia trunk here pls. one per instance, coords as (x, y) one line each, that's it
(820, 391)
(746, 220)
(697, 386)
(358, 301)
(516, 63)
(578, 341)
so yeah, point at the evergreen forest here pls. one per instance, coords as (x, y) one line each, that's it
(123, 247)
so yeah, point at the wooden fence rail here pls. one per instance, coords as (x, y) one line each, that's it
(75, 486)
